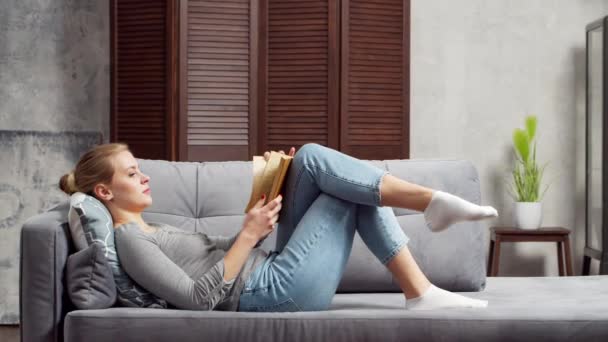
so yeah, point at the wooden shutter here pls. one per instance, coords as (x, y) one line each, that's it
(218, 99)
(375, 79)
(299, 70)
(141, 77)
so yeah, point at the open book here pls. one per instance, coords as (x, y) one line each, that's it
(268, 177)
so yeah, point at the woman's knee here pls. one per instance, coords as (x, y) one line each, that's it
(307, 151)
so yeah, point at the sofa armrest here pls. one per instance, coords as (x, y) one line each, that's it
(43, 300)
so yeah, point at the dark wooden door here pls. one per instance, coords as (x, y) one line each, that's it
(374, 84)
(218, 68)
(299, 74)
(198, 80)
(336, 72)
(143, 77)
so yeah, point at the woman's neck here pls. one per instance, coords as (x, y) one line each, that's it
(126, 217)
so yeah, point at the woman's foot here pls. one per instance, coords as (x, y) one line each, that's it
(445, 209)
(438, 298)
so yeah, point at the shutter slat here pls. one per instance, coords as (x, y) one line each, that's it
(218, 143)
(216, 108)
(223, 125)
(217, 23)
(196, 95)
(300, 6)
(219, 44)
(211, 120)
(213, 16)
(210, 115)
(216, 10)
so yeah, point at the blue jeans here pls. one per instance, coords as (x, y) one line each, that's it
(327, 195)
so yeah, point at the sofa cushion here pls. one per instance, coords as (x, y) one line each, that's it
(174, 187)
(90, 220)
(89, 278)
(454, 259)
(561, 312)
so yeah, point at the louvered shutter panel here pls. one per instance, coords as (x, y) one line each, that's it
(375, 79)
(219, 74)
(139, 76)
(301, 100)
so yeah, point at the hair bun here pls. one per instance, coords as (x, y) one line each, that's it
(67, 183)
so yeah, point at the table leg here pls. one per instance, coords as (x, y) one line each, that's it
(586, 264)
(489, 270)
(568, 258)
(560, 258)
(495, 258)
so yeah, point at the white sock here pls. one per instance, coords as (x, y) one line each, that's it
(446, 209)
(438, 298)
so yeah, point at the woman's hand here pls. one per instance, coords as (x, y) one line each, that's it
(292, 152)
(260, 219)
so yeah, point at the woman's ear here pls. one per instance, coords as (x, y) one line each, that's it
(102, 192)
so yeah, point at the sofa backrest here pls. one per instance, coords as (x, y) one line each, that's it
(210, 197)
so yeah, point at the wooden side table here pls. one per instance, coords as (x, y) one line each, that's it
(545, 234)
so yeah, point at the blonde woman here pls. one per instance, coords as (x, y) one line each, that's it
(328, 195)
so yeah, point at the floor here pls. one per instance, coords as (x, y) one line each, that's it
(9, 333)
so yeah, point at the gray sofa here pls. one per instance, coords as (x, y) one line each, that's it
(369, 306)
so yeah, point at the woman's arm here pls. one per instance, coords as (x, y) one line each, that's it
(225, 242)
(151, 268)
(237, 255)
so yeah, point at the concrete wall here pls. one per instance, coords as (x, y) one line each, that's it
(55, 65)
(478, 68)
(54, 104)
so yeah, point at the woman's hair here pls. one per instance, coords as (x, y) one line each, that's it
(94, 167)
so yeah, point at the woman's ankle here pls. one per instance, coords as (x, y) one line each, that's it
(396, 192)
(416, 291)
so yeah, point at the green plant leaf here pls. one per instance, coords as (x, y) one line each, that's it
(521, 143)
(527, 175)
(531, 126)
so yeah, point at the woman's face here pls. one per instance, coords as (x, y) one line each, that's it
(130, 188)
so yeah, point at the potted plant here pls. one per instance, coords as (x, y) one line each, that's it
(527, 178)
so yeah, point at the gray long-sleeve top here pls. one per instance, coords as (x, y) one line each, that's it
(184, 268)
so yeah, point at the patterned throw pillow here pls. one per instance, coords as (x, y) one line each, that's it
(89, 279)
(90, 221)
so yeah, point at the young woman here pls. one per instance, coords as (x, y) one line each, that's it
(327, 196)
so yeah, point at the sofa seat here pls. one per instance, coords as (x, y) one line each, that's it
(209, 197)
(520, 309)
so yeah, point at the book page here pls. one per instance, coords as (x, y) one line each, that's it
(258, 171)
(269, 180)
(280, 177)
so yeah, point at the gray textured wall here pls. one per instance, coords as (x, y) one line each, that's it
(54, 104)
(478, 67)
(54, 64)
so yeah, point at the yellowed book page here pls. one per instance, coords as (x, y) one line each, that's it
(280, 176)
(258, 171)
(270, 172)
(263, 183)
(268, 181)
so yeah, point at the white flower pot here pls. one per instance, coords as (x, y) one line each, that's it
(528, 215)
